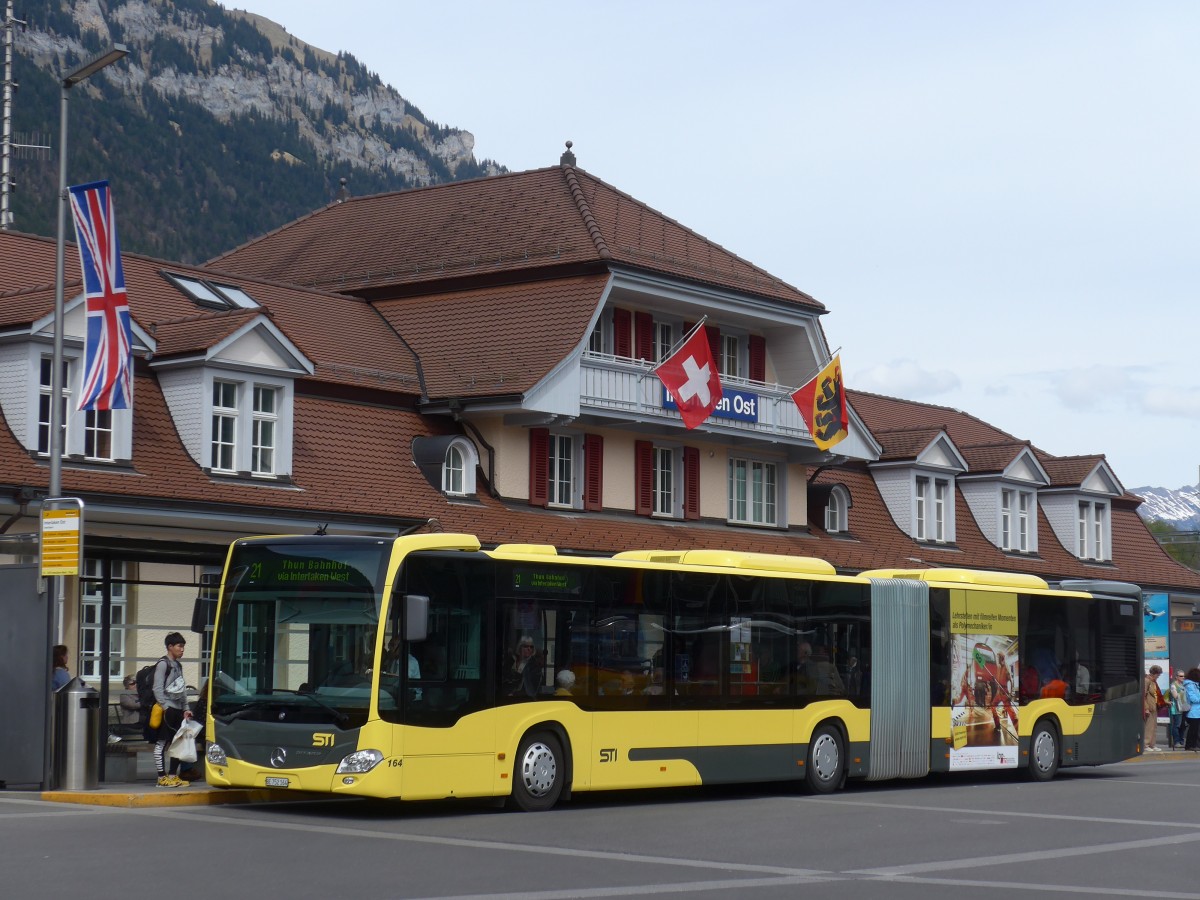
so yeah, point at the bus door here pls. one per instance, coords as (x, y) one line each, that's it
(434, 685)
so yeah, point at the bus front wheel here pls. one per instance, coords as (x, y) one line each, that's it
(538, 772)
(826, 766)
(1043, 752)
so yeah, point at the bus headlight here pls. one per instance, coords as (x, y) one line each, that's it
(215, 754)
(359, 761)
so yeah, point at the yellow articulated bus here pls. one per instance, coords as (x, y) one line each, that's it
(425, 667)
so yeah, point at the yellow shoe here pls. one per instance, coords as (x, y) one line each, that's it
(164, 781)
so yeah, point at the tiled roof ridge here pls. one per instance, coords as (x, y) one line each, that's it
(908, 429)
(766, 276)
(206, 315)
(332, 204)
(38, 289)
(987, 444)
(585, 212)
(957, 412)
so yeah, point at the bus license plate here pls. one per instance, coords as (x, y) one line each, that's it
(277, 782)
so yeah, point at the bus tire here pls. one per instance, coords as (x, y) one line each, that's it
(825, 769)
(538, 773)
(1043, 752)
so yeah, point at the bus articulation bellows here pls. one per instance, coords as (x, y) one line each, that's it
(424, 667)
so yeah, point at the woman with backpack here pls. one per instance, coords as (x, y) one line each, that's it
(1191, 687)
(1180, 705)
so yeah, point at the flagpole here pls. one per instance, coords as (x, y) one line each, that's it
(55, 583)
(679, 343)
(817, 370)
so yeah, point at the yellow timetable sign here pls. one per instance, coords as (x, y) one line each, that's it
(60, 541)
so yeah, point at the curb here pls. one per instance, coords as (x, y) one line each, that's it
(143, 799)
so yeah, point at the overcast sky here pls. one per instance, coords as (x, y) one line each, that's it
(997, 202)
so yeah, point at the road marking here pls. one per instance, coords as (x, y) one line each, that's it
(1102, 820)
(641, 890)
(1031, 856)
(1012, 886)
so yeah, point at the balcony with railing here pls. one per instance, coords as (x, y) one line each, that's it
(628, 388)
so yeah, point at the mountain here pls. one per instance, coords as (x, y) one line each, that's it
(1180, 508)
(217, 127)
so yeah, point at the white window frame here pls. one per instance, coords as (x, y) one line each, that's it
(248, 425)
(1025, 506)
(264, 425)
(837, 511)
(458, 480)
(933, 508)
(758, 476)
(1007, 495)
(664, 339)
(223, 413)
(729, 365)
(667, 468)
(97, 431)
(563, 455)
(600, 341)
(1094, 534)
(1015, 534)
(91, 597)
(78, 425)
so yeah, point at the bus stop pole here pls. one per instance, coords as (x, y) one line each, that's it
(105, 646)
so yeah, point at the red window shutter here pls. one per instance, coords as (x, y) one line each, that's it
(593, 461)
(643, 477)
(539, 466)
(714, 342)
(691, 483)
(643, 333)
(758, 358)
(622, 332)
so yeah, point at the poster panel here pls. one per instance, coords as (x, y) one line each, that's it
(984, 668)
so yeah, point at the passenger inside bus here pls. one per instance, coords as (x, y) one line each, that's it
(524, 676)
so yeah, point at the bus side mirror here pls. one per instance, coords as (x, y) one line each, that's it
(204, 610)
(416, 617)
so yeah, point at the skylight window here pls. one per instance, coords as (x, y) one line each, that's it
(210, 294)
(235, 295)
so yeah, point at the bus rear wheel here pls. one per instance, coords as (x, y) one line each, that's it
(1043, 752)
(538, 772)
(826, 766)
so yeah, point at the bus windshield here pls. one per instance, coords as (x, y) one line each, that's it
(296, 630)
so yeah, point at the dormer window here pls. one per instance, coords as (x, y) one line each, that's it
(1093, 530)
(458, 468)
(100, 435)
(931, 509)
(837, 510)
(246, 409)
(1016, 519)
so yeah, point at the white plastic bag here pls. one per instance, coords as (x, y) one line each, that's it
(183, 745)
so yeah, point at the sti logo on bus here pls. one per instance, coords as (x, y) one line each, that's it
(608, 754)
(322, 739)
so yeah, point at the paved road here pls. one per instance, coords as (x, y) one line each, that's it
(1131, 830)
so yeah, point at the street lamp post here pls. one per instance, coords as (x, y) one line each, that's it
(75, 76)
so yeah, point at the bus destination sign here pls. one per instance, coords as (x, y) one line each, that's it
(545, 581)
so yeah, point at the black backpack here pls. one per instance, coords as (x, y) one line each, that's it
(145, 694)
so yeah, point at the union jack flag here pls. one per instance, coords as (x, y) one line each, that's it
(108, 349)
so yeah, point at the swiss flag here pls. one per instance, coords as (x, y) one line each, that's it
(690, 374)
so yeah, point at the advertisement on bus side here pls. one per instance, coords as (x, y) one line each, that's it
(984, 668)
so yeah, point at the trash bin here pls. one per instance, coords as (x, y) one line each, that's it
(76, 737)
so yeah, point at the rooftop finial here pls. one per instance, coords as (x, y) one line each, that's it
(343, 193)
(568, 158)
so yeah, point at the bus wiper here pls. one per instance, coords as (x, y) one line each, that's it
(340, 717)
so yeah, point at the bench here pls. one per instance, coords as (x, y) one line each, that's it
(121, 759)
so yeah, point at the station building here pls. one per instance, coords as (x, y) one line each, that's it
(478, 357)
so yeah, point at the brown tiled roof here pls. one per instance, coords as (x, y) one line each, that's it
(346, 339)
(904, 443)
(199, 332)
(880, 413)
(496, 340)
(1068, 471)
(506, 224)
(989, 458)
